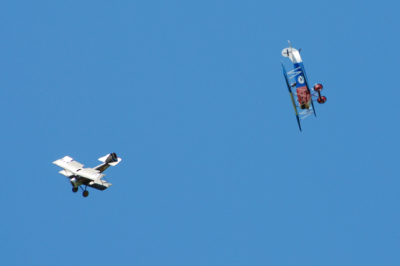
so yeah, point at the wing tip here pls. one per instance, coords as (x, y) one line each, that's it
(298, 122)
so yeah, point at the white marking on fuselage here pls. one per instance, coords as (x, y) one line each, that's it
(294, 72)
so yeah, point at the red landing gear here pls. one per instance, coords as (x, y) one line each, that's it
(318, 88)
(321, 99)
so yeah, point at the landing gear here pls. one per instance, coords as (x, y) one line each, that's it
(85, 192)
(318, 88)
(321, 99)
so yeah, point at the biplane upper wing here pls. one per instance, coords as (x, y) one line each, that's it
(68, 164)
(291, 95)
(73, 168)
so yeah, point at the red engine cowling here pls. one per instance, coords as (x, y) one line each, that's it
(318, 87)
(321, 99)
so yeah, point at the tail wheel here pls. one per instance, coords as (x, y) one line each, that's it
(321, 99)
(75, 189)
(85, 193)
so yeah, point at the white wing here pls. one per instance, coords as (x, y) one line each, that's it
(73, 168)
(68, 164)
(90, 173)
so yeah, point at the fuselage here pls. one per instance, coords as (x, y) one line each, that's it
(304, 97)
(298, 74)
(303, 94)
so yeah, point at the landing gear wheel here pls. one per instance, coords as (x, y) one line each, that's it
(321, 100)
(85, 193)
(318, 87)
(75, 189)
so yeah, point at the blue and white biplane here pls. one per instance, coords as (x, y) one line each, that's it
(305, 95)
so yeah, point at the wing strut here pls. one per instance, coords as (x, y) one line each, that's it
(291, 96)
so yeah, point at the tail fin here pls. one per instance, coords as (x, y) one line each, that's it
(111, 159)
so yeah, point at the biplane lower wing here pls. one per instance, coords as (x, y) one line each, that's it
(99, 184)
(291, 96)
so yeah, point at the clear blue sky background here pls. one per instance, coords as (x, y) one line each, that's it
(190, 94)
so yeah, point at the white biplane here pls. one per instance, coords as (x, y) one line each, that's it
(92, 177)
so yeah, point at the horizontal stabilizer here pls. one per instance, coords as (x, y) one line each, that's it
(111, 159)
(287, 51)
(292, 53)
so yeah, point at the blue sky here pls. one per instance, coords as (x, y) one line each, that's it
(190, 94)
